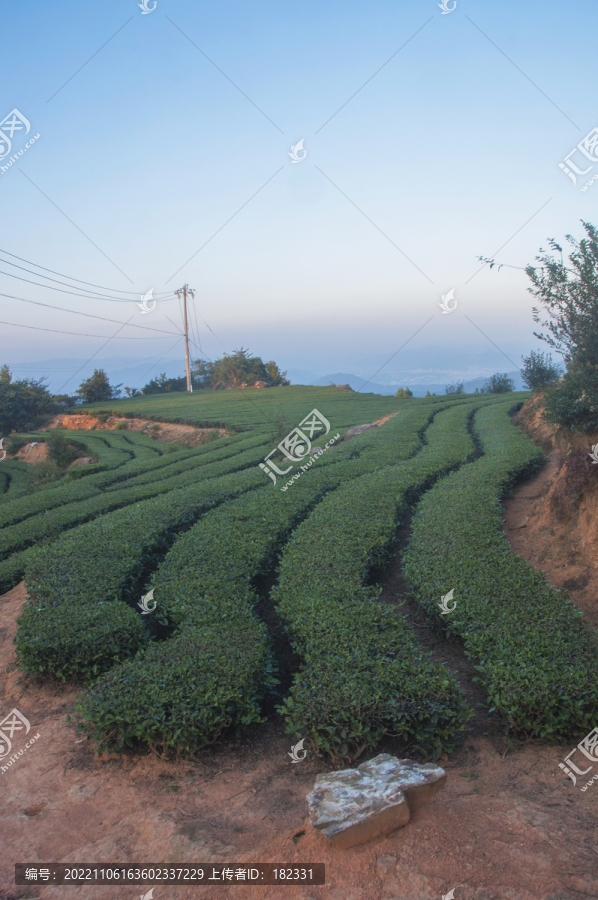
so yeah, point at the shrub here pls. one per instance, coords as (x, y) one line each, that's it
(498, 384)
(59, 449)
(404, 392)
(574, 403)
(122, 426)
(539, 370)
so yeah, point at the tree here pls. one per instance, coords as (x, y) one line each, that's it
(568, 291)
(275, 376)
(164, 385)
(240, 367)
(457, 388)
(26, 403)
(97, 387)
(498, 384)
(539, 370)
(569, 294)
(202, 374)
(404, 392)
(132, 392)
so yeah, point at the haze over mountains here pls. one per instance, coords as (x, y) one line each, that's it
(429, 368)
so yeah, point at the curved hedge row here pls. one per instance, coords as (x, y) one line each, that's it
(62, 494)
(51, 523)
(74, 616)
(364, 674)
(70, 571)
(204, 589)
(16, 475)
(537, 661)
(206, 583)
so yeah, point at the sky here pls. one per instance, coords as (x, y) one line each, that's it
(163, 159)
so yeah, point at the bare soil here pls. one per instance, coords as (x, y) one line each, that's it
(508, 826)
(187, 435)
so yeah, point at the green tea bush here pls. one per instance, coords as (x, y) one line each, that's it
(364, 674)
(102, 562)
(207, 582)
(535, 658)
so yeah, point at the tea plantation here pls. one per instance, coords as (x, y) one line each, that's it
(215, 539)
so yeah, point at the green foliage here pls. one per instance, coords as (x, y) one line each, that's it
(206, 582)
(456, 388)
(122, 426)
(15, 443)
(181, 694)
(97, 388)
(568, 291)
(404, 392)
(59, 449)
(43, 473)
(498, 384)
(103, 560)
(364, 674)
(25, 403)
(275, 376)
(77, 641)
(574, 402)
(539, 370)
(536, 660)
(164, 385)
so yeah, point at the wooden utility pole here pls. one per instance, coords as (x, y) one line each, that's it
(184, 291)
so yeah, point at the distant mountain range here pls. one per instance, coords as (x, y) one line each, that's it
(429, 369)
(418, 390)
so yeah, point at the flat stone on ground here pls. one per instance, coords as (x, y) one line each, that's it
(353, 806)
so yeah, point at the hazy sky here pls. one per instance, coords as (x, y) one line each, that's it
(186, 115)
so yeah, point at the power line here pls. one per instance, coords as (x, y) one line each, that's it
(77, 313)
(29, 263)
(39, 275)
(49, 287)
(80, 333)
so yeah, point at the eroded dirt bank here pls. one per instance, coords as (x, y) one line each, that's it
(552, 519)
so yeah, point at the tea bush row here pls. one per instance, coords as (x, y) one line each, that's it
(75, 624)
(95, 483)
(205, 589)
(86, 564)
(536, 660)
(50, 523)
(363, 673)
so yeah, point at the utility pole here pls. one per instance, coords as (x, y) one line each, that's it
(184, 291)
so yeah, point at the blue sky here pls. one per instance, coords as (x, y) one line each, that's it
(447, 153)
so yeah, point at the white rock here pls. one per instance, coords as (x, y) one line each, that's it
(353, 806)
